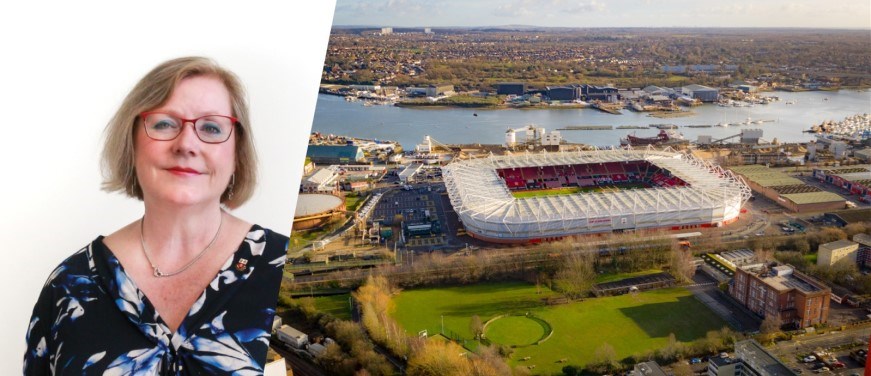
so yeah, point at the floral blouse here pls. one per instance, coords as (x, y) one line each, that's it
(92, 319)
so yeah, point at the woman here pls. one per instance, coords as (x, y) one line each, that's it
(188, 288)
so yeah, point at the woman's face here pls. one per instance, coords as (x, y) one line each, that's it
(186, 171)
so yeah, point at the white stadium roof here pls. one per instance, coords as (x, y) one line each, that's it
(488, 210)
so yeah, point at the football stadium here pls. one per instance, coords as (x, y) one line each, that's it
(534, 197)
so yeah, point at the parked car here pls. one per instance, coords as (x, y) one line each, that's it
(695, 361)
(809, 359)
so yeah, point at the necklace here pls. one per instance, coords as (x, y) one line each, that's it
(157, 272)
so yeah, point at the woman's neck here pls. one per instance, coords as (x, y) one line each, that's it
(175, 234)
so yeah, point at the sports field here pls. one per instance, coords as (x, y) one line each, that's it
(574, 190)
(630, 323)
(336, 305)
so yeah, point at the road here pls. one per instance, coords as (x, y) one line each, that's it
(810, 342)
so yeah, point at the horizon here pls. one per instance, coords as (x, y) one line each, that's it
(516, 26)
(810, 14)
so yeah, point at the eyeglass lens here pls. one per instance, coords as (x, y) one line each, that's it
(210, 129)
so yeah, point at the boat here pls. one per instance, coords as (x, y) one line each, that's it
(661, 138)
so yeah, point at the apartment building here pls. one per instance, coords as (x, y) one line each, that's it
(771, 289)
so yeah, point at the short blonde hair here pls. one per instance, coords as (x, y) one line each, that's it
(153, 91)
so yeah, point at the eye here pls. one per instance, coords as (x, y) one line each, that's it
(210, 127)
(161, 122)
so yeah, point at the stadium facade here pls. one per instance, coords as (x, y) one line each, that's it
(681, 192)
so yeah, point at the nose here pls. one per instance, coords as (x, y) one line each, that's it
(187, 141)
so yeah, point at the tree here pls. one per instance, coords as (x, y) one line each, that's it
(604, 360)
(576, 275)
(681, 265)
(770, 327)
(439, 358)
(476, 327)
(571, 370)
(682, 368)
(671, 350)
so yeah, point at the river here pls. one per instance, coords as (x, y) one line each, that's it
(783, 121)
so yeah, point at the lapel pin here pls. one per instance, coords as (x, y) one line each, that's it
(242, 265)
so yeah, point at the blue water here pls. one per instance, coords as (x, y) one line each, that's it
(408, 126)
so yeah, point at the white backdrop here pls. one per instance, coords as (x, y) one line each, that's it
(65, 66)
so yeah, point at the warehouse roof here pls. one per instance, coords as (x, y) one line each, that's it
(813, 197)
(765, 176)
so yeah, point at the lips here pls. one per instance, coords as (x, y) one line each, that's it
(184, 171)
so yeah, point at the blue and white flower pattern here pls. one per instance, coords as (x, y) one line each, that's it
(92, 319)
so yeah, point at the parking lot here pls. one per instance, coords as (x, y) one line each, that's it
(417, 204)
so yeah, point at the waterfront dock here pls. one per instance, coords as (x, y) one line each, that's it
(586, 128)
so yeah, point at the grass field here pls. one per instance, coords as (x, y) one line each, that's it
(630, 323)
(574, 190)
(336, 305)
(515, 330)
(546, 192)
(605, 278)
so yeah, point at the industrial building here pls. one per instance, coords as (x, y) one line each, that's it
(842, 218)
(781, 290)
(863, 255)
(863, 155)
(599, 93)
(789, 192)
(840, 251)
(335, 154)
(751, 358)
(702, 93)
(510, 88)
(531, 135)
(564, 93)
(739, 257)
(854, 179)
(323, 180)
(430, 90)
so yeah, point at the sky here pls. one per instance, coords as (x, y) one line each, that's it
(835, 14)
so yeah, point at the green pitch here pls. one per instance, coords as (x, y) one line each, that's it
(630, 323)
(336, 305)
(515, 330)
(547, 192)
(575, 190)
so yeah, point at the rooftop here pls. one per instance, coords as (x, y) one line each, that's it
(854, 215)
(813, 197)
(695, 87)
(783, 278)
(310, 204)
(838, 244)
(752, 353)
(765, 176)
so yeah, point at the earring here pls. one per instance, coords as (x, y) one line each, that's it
(230, 187)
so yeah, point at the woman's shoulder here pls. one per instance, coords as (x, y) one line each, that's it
(273, 243)
(80, 264)
(264, 234)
